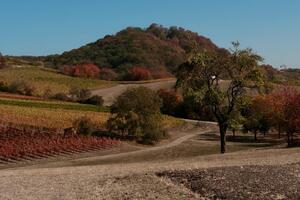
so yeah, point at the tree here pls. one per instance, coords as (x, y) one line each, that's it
(201, 75)
(139, 74)
(292, 117)
(82, 70)
(136, 113)
(235, 122)
(259, 115)
(2, 61)
(286, 108)
(252, 124)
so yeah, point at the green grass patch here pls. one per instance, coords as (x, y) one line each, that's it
(53, 105)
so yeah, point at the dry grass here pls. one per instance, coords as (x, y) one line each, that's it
(50, 118)
(45, 79)
(60, 118)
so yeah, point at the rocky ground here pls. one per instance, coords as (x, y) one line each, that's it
(167, 171)
(241, 182)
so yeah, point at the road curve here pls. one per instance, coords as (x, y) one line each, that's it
(109, 94)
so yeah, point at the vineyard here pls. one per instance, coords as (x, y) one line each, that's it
(48, 118)
(27, 142)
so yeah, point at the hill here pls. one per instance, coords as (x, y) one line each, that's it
(156, 48)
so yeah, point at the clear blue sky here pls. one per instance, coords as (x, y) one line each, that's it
(41, 27)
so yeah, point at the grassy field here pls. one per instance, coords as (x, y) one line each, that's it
(46, 79)
(52, 105)
(50, 118)
(60, 118)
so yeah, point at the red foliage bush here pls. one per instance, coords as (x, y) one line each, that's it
(82, 70)
(139, 74)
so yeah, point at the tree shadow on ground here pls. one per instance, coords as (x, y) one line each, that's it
(247, 140)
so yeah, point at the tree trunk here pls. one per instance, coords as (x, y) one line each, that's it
(279, 132)
(255, 135)
(288, 139)
(223, 129)
(233, 133)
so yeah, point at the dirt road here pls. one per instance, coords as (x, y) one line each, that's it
(109, 94)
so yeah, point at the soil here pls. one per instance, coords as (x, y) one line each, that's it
(241, 182)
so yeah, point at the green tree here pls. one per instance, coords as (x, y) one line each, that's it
(234, 124)
(136, 113)
(203, 74)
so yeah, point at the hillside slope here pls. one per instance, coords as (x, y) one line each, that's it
(156, 48)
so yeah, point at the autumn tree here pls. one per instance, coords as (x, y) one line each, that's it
(292, 117)
(285, 106)
(259, 116)
(201, 75)
(139, 74)
(82, 70)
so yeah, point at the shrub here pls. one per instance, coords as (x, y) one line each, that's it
(141, 100)
(94, 100)
(47, 93)
(153, 131)
(108, 74)
(84, 126)
(82, 70)
(172, 102)
(21, 87)
(61, 96)
(136, 113)
(3, 86)
(138, 74)
(79, 94)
